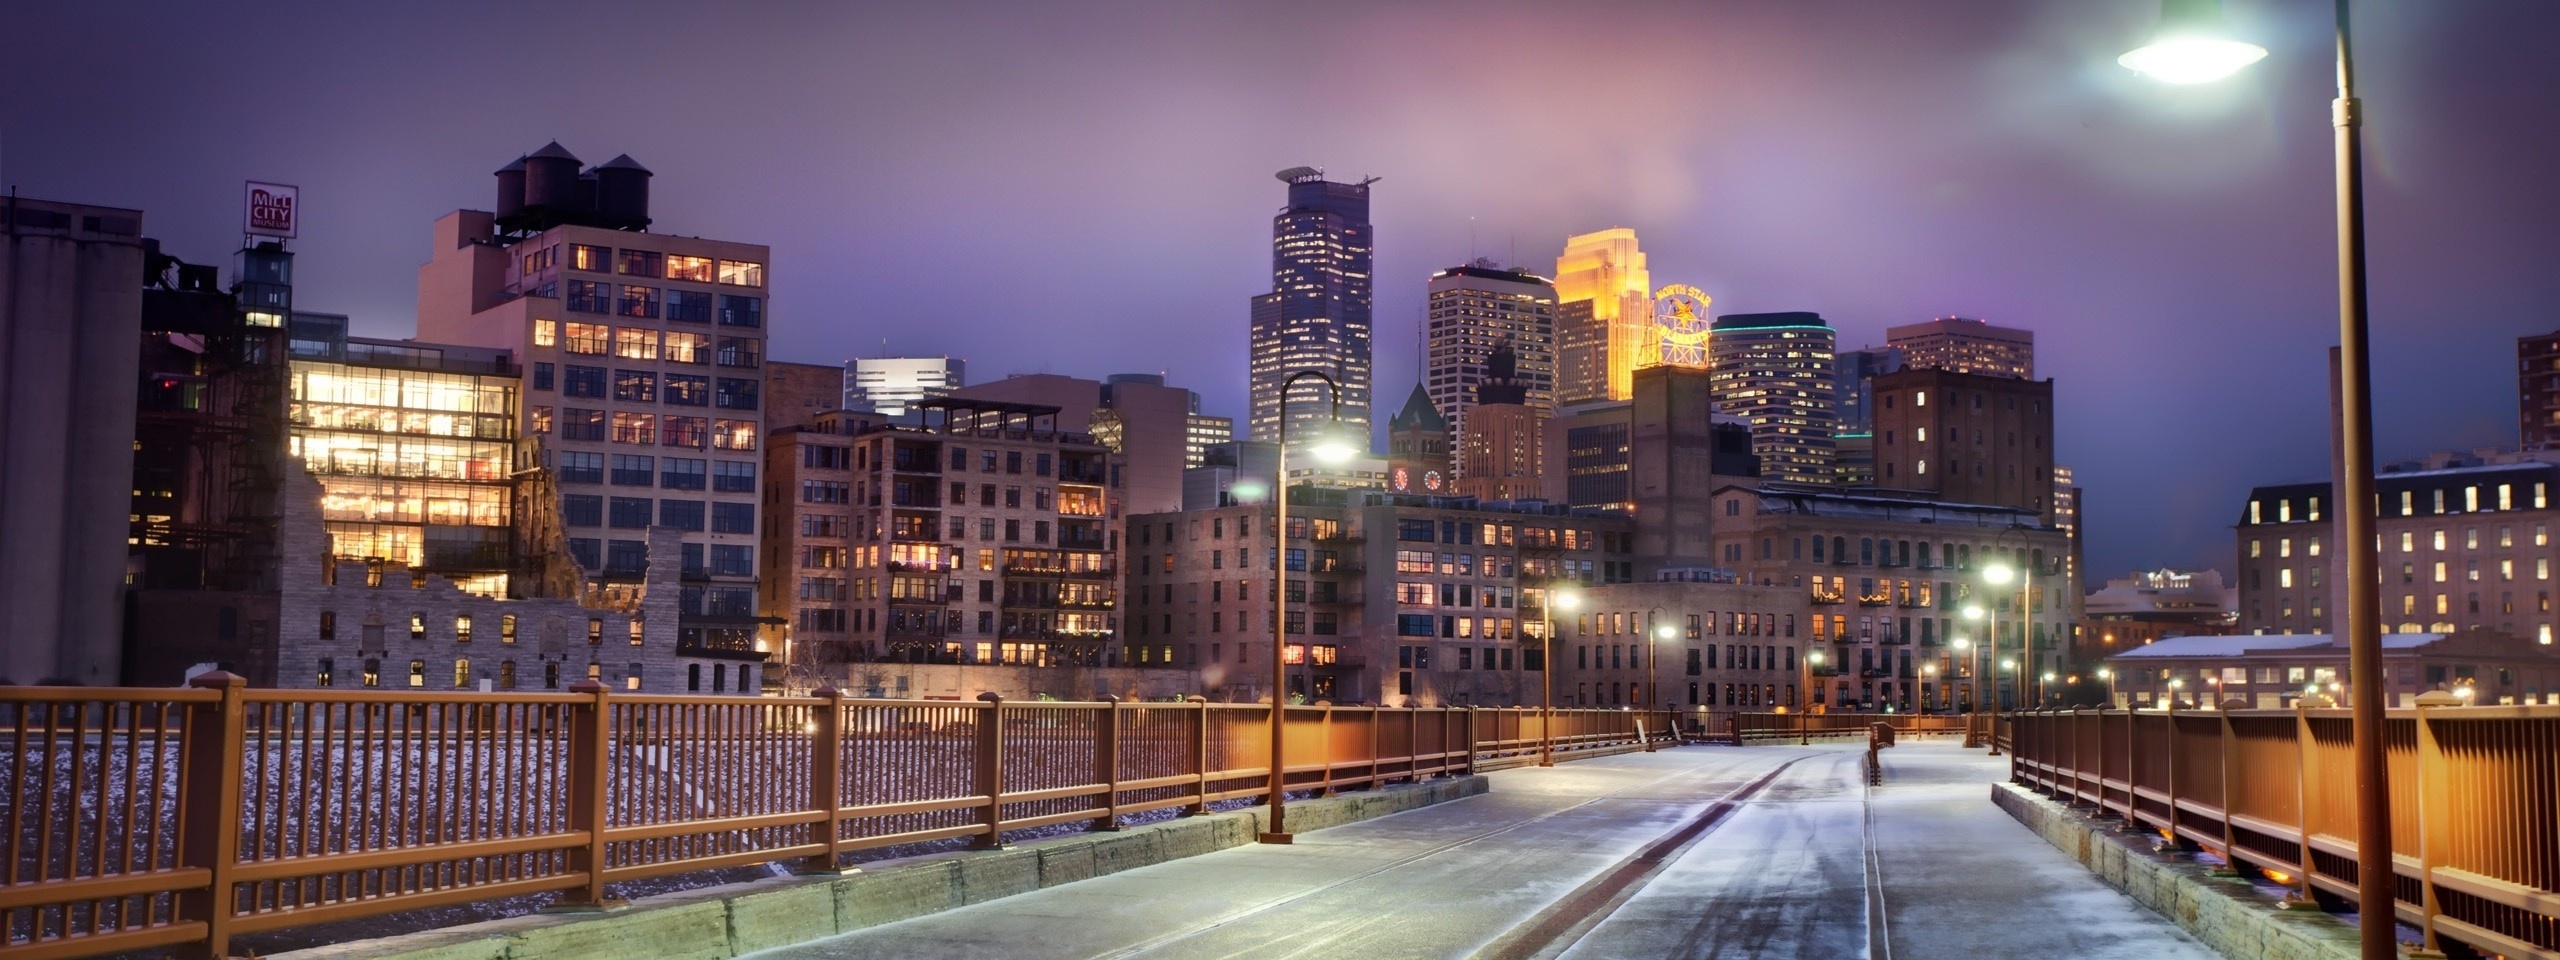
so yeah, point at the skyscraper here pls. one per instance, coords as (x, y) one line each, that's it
(1774, 370)
(1605, 309)
(1316, 316)
(889, 385)
(1475, 310)
(1966, 346)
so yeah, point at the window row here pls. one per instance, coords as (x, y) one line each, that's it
(650, 303)
(653, 264)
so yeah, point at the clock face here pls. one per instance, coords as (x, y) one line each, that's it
(1431, 479)
(1404, 479)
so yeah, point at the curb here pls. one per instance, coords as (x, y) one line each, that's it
(2225, 913)
(716, 923)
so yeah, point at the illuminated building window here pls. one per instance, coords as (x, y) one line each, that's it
(687, 348)
(635, 343)
(462, 628)
(546, 333)
(417, 673)
(541, 418)
(742, 273)
(594, 338)
(635, 428)
(694, 269)
(507, 628)
(589, 258)
(462, 672)
(733, 434)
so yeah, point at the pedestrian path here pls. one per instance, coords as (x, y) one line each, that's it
(1759, 852)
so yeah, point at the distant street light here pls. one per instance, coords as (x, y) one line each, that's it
(1566, 599)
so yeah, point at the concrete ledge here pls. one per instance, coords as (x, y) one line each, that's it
(2223, 912)
(715, 923)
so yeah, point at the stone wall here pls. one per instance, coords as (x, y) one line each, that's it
(411, 627)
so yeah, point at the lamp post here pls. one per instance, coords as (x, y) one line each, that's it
(1568, 600)
(1329, 447)
(1659, 630)
(2194, 45)
(1983, 686)
(1972, 668)
(2107, 676)
(1804, 695)
(2044, 684)
(1999, 573)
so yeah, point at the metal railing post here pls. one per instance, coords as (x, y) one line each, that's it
(2435, 816)
(2230, 747)
(2169, 765)
(1106, 763)
(826, 772)
(991, 771)
(1199, 752)
(588, 722)
(211, 764)
(2308, 767)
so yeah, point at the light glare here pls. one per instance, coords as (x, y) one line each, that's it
(2192, 60)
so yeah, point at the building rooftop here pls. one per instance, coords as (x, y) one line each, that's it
(1794, 318)
(2239, 645)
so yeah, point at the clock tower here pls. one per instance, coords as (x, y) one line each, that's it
(1418, 448)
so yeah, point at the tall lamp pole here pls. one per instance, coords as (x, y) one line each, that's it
(1329, 447)
(1973, 613)
(1567, 600)
(2194, 45)
(1999, 573)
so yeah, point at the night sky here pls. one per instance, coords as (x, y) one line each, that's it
(1085, 188)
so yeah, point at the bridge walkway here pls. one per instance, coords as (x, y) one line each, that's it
(1757, 852)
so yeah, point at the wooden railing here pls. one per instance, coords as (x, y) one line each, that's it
(2475, 829)
(141, 819)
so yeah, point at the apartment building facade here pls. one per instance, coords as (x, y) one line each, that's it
(1733, 645)
(1888, 580)
(1391, 599)
(2466, 543)
(979, 536)
(644, 374)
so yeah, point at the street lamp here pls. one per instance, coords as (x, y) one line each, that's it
(1557, 599)
(2194, 45)
(1804, 696)
(1654, 637)
(1328, 446)
(1929, 686)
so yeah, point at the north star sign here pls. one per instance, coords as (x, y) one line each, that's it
(271, 208)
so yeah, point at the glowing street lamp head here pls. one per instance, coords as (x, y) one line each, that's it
(1973, 612)
(2192, 45)
(2008, 664)
(1960, 643)
(1999, 574)
(1332, 445)
(1814, 657)
(1664, 631)
(1567, 599)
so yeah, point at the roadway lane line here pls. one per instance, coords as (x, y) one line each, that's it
(1555, 929)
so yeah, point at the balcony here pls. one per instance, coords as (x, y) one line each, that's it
(1828, 597)
(1343, 536)
(1874, 600)
(1340, 568)
(1086, 477)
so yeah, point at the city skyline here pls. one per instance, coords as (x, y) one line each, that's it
(2081, 169)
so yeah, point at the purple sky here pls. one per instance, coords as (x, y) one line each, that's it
(1086, 188)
